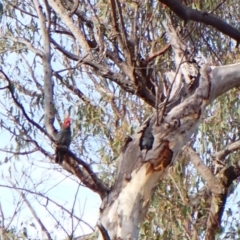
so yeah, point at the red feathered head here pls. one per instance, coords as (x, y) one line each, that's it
(67, 122)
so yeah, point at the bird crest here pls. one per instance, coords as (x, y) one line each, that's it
(66, 122)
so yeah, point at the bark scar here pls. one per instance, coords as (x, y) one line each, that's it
(164, 158)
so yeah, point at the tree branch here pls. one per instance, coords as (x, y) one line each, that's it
(26, 43)
(103, 231)
(227, 150)
(59, 9)
(43, 228)
(49, 109)
(122, 33)
(187, 13)
(218, 185)
(20, 106)
(152, 56)
(19, 153)
(212, 181)
(31, 71)
(80, 14)
(226, 176)
(86, 175)
(100, 69)
(224, 78)
(60, 206)
(74, 89)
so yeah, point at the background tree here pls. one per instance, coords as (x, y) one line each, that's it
(138, 78)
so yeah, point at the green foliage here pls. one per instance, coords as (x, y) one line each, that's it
(175, 205)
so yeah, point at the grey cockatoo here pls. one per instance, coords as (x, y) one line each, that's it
(63, 139)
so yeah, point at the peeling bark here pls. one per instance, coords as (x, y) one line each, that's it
(140, 170)
(129, 199)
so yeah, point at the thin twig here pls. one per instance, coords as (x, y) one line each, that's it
(4, 88)
(19, 153)
(73, 206)
(44, 229)
(217, 7)
(48, 200)
(20, 106)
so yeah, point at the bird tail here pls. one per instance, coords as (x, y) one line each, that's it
(60, 153)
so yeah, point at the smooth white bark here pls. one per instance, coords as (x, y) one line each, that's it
(224, 78)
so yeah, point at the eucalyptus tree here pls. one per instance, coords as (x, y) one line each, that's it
(137, 78)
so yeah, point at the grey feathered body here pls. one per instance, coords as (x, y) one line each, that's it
(63, 139)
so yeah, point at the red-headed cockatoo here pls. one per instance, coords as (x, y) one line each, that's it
(63, 139)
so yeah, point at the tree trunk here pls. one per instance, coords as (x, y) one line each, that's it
(139, 173)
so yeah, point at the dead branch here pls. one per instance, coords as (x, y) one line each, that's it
(187, 14)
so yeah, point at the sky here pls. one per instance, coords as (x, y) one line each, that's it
(46, 178)
(37, 174)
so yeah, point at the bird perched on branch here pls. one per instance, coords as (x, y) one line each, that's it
(63, 140)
